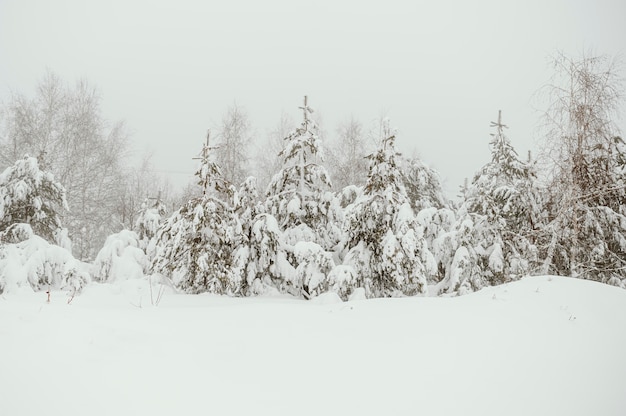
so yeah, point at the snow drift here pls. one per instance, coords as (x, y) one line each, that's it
(538, 346)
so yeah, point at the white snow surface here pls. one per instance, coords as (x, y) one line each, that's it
(539, 346)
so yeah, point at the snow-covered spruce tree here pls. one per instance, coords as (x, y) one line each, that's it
(149, 220)
(267, 266)
(458, 254)
(438, 226)
(260, 258)
(501, 201)
(300, 199)
(299, 194)
(422, 184)
(195, 247)
(586, 236)
(31, 196)
(434, 211)
(383, 240)
(246, 203)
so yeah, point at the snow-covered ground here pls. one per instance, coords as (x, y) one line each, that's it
(540, 346)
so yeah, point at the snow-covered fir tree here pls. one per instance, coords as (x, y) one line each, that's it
(492, 240)
(503, 199)
(383, 241)
(438, 225)
(196, 246)
(299, 194)
(246, 203)
(422, 184)
(266, 266)
(30, 195)
(261, 257)
(149, 220)
(300, 197)
(459, 256)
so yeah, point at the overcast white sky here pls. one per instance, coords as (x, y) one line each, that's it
(439, 69)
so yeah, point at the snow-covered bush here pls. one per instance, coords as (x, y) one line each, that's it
(121, 258)
(343, 280)
(349, 194)
(31, 196)
(33, 262)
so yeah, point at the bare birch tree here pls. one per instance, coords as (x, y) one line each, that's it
(347, 157)
(63, 127)
(586, 235)
(233, 142)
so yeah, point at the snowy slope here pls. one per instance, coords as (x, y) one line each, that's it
(540, 346)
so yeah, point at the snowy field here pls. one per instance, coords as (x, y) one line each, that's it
(540, 346)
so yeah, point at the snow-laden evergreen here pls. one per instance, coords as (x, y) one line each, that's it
(148, 221)
(300, 198)
(32, 196)
(438, 226)
(299, 194)
(196, 246)
(266, 266)
(495, 222)
(383, 241)
(422, 184)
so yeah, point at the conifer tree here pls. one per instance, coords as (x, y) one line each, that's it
(196, 246)
(266, 266)
(502, 198)
(149, 220)
(299, 195)
(423, 185)
(492, 239)
(29, 195)
(384, 242)
(300, 198)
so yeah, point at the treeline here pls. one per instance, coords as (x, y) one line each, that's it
(386, 230)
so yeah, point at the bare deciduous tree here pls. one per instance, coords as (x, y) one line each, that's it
(233, 140)
(586, 205)
(267, 161)
(347, 156)
(63, 127)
